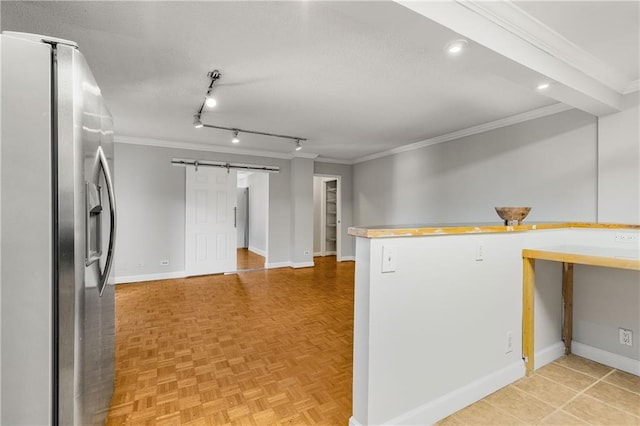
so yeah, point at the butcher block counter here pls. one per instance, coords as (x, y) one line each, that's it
(444, 313)
(380, 231)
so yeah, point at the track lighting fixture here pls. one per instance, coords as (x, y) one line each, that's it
(209, 101)
(236, 132)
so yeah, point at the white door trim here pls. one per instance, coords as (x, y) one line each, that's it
(323, 208)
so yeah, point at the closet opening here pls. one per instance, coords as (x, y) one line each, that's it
(327, 229)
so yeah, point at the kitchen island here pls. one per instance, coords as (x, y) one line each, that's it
(439, 309)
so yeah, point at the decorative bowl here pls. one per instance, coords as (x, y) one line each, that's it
(512, 215)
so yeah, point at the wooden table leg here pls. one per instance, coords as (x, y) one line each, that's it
(528, 299)
(567, 305)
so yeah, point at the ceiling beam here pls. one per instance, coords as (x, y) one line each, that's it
(577, 78)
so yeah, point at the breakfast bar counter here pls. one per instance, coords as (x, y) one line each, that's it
(381, 231)
(441, 319)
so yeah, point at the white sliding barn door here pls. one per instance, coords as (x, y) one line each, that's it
(210, 234)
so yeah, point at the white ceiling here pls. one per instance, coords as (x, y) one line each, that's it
(354, 78)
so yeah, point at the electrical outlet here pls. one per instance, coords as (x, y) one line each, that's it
(626, 337)
(307, 252)
(164, 263)
(139, 265)
(479, 253)
(388, 258)
(509, 343)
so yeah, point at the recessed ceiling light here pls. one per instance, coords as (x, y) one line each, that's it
(543, 86)
(456, 46)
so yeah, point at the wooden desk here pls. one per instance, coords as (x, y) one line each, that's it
(623, 258)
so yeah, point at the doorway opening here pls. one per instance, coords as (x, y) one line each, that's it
(252, 220)
(327, 219)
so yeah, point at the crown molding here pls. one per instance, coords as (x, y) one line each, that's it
(492, 125)
(321, 159)
(162, 143)
(309, 155)
(634, 86)
(515, 20)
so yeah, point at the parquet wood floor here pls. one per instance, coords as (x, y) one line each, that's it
(249, 260)
(257, 348)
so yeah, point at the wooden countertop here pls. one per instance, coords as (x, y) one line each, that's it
(421, 230)
(614, 257)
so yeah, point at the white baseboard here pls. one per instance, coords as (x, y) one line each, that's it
(620, 362)
(438, 409)
(257, 251)
(354, 422)
(149, 277)
(317, 253)
(289, 265)
(448, 404)
(275, 265)
(347, 259)
(303, 265)
(549, 354)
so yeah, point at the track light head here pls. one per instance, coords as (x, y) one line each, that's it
(210, 101)
(235, 139)
(196, 121)
(298, 145)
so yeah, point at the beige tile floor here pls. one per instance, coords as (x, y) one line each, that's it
(569, 391)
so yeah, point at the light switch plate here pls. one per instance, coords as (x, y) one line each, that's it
(388, 258)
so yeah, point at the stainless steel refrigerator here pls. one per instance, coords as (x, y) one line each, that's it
(57, 227)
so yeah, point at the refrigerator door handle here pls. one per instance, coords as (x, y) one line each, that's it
(112, 213)
(93, 210)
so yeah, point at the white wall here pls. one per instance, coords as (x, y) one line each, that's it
(317, 214)
(549, 164)
(150, 195)
(347, 242)
(301, 212)
(258, 212)
(432, 340)
(619, 164)
(241, 216)
(608, 299)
